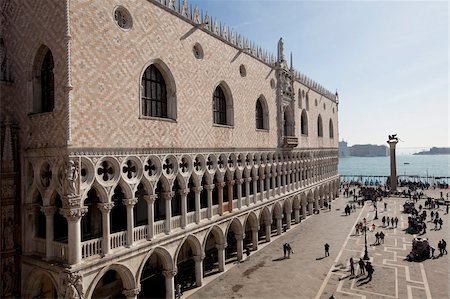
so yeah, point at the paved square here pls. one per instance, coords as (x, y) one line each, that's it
(308, 274)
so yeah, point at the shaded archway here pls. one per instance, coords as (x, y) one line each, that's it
(151, 274)
(251, 232)
(41, 285)
(91, 222)
(214, 252)
(265, 220)
(234, 237)
(188, 260)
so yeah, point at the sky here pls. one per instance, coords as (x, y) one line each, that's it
(389, 60)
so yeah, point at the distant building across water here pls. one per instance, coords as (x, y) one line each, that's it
(432, 151)
(362, 150)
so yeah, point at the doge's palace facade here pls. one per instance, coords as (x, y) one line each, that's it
(149, 145)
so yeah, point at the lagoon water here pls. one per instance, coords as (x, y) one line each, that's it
(434, 165)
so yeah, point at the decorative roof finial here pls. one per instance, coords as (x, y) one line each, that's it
(280, 50)
(292, 67)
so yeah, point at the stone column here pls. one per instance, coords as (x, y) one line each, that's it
(131, 294)
(183, 193)
(150, 199)
(247, 191)
(393, 178)
(288, 180)
(169, 282)
(209, 189)
(279, 174)
(268, 230)
(197, 191)
(255, 238)
(310, 208)
(279, 225)
(105, 208)
(273, 190)
(268, 186)
(297, 215)
(230, 185)
(129, 203)
(168, 198)
(288, 219)
(255, 189)
(29, 229)
(239, 193)
(240, 246)
(48, 211)
(198, 269)
(220, 186)
(73, 216)
(221, 256)
(261, 186)
(304, 211)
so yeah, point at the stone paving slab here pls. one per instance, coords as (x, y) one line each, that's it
(309, 275)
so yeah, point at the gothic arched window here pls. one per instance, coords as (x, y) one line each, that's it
(154, 93)
(219, 107)
(43, 81)
(331, 129)
(319, 126)
(304, 123)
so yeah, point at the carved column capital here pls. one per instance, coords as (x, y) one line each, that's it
(248, 179)
(150, 198)
(105, 207)
(131, 293)
(209, 187)
(48, 210)
(197, 189)
(220, 185)
(262, 177)
(231, 182)
(256, 177)
(221, 246)
(184, 191)
(168, 195)
(169, 273)
(199, 258)
(129, 201)
(74, 213)
(239, 181)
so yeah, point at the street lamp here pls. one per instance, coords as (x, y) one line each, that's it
(366, 254)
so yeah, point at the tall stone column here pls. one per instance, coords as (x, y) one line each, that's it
(220, 186)
(267, 186)
(221, 256)
(240, 246)
(239, 193)
(268, 230)
(279, 225)
(279, 182)
(255, 189)
(230, 185)
(283, 181)
(197, 191)
(273, 177)
(288, 219)
(129, 203)
(105, 208)
(304, 211)
(73, 216)
(297, 215)
(168, 198)
(310, 208)
(150, 199)
(170, 283)
(209, 189)
(393, 178)
(261, 187)
(255, 238)
(198, 269)
(48, 211)
(288, 180)
(29, 229)
(247, 191)
(183, 193)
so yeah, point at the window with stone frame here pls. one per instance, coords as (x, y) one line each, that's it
(154, 93)
(259, 115)
(319, 126)
(219, 107)
(304, 123)
(331, 129)
(43, 81)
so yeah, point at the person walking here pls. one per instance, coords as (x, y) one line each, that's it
(392, 222)
(289, 250)
(444, 247)
(377, 236)
(435, 223)
(383, 220)
(285, 249)
(382, 237)
(361, 267)
(440, 248)
(352, 267)
(424, 226)
(396, 221)
(446, 208)
(327, 249)
(387, 220)
(370, 270)
(432, 250)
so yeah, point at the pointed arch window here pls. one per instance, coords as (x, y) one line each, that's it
(154, 93)
(43, 81)
(319, 126)
(259, 115)
(304, 123)
(219, 107)
(331, 129)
